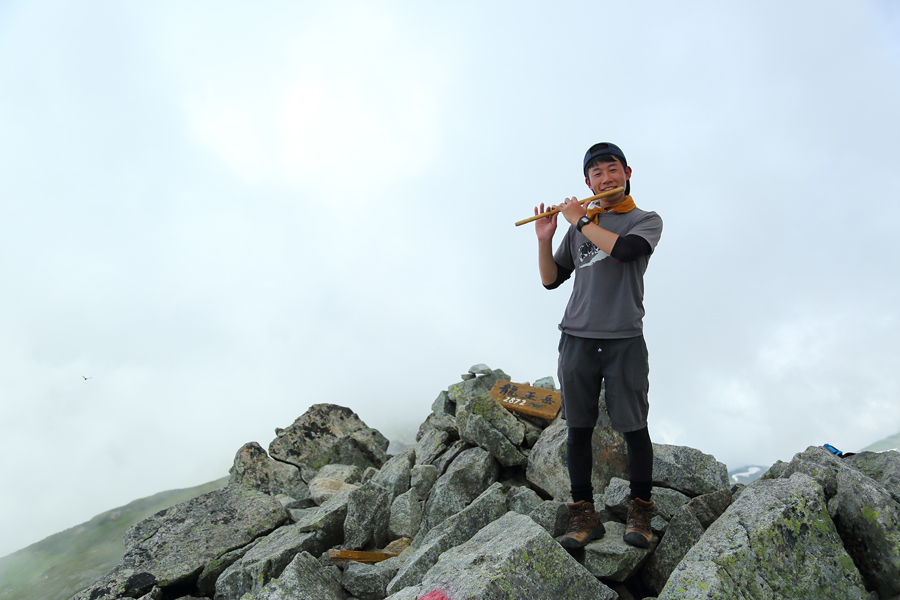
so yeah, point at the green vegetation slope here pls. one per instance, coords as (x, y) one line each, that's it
(67, 562)
(888, 443)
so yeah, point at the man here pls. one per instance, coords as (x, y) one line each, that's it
(608, 246)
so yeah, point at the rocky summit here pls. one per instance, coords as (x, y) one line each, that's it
(474, 510)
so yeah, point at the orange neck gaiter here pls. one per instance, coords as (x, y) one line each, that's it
(624, 206)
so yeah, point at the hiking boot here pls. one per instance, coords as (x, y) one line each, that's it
(584, 526)
(637, 524)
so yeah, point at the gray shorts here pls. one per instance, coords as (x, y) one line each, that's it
(623, 364)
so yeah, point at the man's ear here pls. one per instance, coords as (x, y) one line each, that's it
(587, 182)
(627, 173)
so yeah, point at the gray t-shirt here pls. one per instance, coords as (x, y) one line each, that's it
(608, 296)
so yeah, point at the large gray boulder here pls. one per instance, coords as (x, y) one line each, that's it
(432, 443)
(553, 516)
(881, 467)
(396, 473)
(327, 520)
(473, 471)
(775, 541)
(865, 513)
(305, 578)
(422, 479)
(368, 517)
(610, 558)
(406, 516)
(547, 461)
(172, 547)
(450, 454)
(510, 559)
(472, 388)
(617, 498)
(326, 434)
(254, 469)
(333, 479)
(455, 530)
(483, 422)
(369, 581)
(265, 561)
(688, 470)
(685, 529)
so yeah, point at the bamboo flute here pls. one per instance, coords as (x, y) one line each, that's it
(554, 211)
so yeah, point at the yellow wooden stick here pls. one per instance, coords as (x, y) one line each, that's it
(554, 211)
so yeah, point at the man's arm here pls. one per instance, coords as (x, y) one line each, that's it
(545, 228)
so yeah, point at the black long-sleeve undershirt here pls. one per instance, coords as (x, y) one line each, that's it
(626, 249)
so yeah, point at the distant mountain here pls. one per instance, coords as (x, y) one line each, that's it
(67, 562)
(746, 474)
(888, 443)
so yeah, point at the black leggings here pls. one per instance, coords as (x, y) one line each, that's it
(579, 459)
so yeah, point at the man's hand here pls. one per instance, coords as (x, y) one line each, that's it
(572, 210)
(546, 226)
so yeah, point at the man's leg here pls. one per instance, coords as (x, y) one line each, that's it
(626, 370)
(579, 378)
(640, 463)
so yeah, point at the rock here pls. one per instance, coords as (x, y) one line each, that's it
(865, 514)
(455, 530)
(553, 516)
(329, 434)
(682, 532)
(545, 383)
(442, 422)
(442, 406)
(522, 500)
(398, 546)
(173, 546)
(369, 581)
(254, 469)
(532, 430)
(431, 445)
(394, 476)
(305, 579)
(709, 507)
(467, 376)
(466, 477)
(333, 479)
(206, 582)
(449, 455)
(509, 559)
(881, 467)
(323, 488)
(610, 558)
(480, 369)
(775, 541)
(483, 422)
(547, 461)
(422, 478)
(328, 520)
(472, 388)
(688, 470)
(265, 561)
(684, 529)
(368, 515)
(617, 498)
(406, 515)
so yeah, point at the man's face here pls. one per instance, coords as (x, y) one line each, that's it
(607, 176)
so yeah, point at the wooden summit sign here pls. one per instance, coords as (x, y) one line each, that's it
(523, 398)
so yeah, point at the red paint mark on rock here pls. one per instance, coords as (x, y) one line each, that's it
(435, 595)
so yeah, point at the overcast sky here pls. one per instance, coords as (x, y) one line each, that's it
(222, 213)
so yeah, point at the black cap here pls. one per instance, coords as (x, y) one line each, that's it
(603, 148)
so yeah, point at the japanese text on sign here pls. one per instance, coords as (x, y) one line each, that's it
(527, 399)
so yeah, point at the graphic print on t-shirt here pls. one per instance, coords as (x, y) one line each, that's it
(589, 254)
